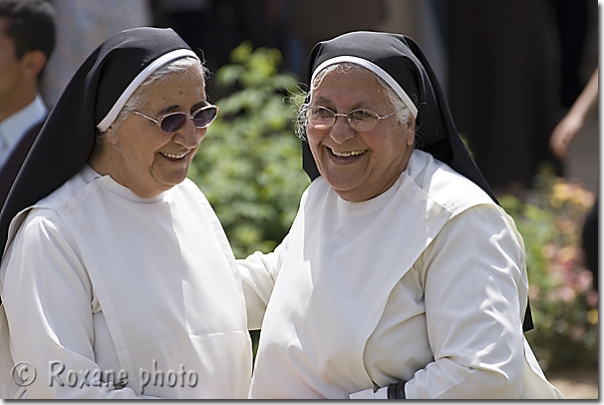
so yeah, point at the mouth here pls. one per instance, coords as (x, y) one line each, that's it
(352, 153)
(174, 156)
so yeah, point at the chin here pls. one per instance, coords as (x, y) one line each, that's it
(174, 177)
(341, 183)
(345, 191)
(172, 182)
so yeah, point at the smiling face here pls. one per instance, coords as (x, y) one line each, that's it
(138, 154)
(359, 165)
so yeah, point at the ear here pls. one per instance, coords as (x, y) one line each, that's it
(410, 130)
(111, 136)
(33, 62)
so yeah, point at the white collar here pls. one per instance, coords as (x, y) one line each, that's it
(17, 124)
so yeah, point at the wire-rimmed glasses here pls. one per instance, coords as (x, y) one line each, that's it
(360, 120)
(172, 122)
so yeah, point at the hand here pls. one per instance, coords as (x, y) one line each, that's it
(564, 134)
(567, 129)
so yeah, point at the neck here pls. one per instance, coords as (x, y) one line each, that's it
(17, 103)
(98, 162)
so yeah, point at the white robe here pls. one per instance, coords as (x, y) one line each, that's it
(98, 279)
(425, 283)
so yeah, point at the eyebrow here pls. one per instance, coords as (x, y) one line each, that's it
(359, 105)
(175, 107)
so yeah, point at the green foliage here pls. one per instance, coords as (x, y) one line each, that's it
(563, 304)
(249, 166)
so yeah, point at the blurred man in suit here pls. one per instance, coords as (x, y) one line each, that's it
(27, 38)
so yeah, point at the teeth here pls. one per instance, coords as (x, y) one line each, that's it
(172, 156)
(347, 154)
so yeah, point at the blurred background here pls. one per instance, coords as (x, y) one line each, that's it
(511, 70)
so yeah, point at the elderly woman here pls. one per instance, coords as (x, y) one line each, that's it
(400, 277)
(117, 280)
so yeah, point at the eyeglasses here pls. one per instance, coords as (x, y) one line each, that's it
(172, 122)
(361, 120)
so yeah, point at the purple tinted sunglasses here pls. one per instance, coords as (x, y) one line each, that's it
(172, 122)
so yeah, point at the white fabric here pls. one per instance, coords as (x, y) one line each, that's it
(382, 393)
(375, 69)
(425, 283)
(13, 127)
(138, 80)
(365, 394)
(98, 278)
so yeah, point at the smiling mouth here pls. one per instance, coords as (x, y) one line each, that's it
(174, 156)
(347, 154)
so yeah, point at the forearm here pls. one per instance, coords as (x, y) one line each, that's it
(258, 273)
(587, 99)
(257, 287)
(475, 294)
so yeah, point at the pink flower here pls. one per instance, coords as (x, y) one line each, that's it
(566, 293)
(549, 251)
(592, 298)
(533, 291)
(584, 280)
(576, 332)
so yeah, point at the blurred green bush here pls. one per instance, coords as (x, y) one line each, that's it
(564, 306)
(249, 165)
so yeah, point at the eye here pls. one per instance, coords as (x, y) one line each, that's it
(361, 115)
(321, 112)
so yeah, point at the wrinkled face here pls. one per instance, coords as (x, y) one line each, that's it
(139, 155)
(359, 165)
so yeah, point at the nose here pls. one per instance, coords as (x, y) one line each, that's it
(341, 132)
(189, 136)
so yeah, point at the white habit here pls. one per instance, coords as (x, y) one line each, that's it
(425, 283)
(98, 279)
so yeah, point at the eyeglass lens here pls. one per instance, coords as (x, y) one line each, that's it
(202, 118)
(360, 120)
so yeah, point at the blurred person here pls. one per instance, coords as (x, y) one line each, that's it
(337, 17)
(570, 126)
(81, 27)
(500, 58)
(27, 39)
(561, 140)
(114, 262)
(572, 21)
(200, 24)
(219, 26)
(401, 276)
(424, 21)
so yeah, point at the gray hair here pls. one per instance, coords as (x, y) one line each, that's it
(402, 111)
(139, 97)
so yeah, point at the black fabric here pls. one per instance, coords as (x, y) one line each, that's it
(397, 390)
(67, 137)
(590, 242)
(11, 166)
(405, 62)
(391, 391)
(402, 59)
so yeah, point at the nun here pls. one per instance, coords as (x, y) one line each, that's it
(401, 276)
(117, 280)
